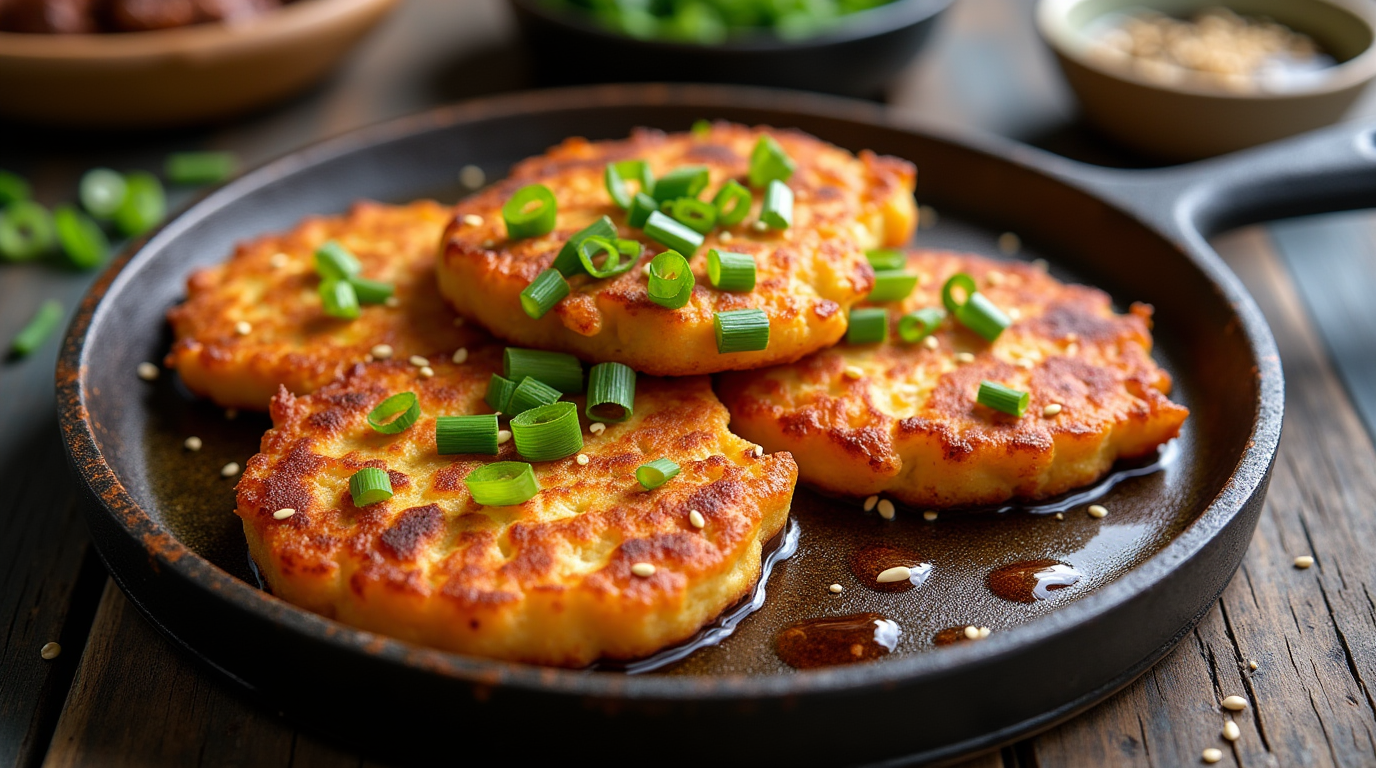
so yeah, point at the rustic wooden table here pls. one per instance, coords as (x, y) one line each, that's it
(121, 694)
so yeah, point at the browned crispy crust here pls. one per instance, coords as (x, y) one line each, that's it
(909, 425)
(808, 275)
(292, 341)
(546, 582)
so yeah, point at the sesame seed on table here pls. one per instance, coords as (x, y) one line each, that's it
(1293, 634)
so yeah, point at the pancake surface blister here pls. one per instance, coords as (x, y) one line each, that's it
(548, 581)
(271, 284)
(808, 274)
(903, 419)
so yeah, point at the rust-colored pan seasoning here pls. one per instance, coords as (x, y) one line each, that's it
(1143, 574)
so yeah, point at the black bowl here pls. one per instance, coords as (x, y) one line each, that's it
(857, 58)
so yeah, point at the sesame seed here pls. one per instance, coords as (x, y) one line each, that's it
(597, 428)
(1212, 755)
(1051, 410)
(460, 356)
(1304, 561)
(1026, 364)
(278, 260)
(759, 226)
(391, 302)
(503, 435)
(886, 509)
(1098, 511)
(1252, 665)
(836, 589)
(929, 515)
(725, 237)
(283, 514)
(50, 651)
(972, 633)
(853, 372)
(643, 570)
(458, 322)
(696, 519)
(1009, 243)
(231, 414)
(930, 342)
(1060, 515)
(995, 277)
(488, 243)
(1072, 349)
(367, 358)
(472, 219)
(1235, 703)
(472, 176)
(243, 328)
(1013, 313)
(964, 357)
(426, 371)
(381, 351)
(759, 451)
(230, 470)
(148, 371)
(894, 574)
(582, 459)
(870, 502)
(192, 443)
(418, 361)
(985, 632)
(1231, 732)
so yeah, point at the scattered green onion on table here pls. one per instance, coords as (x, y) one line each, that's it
(42, 325)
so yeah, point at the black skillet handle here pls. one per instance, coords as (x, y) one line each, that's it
(1331, 169)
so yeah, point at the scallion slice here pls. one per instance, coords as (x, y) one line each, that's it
(642, 205)
(567, 261)
(886, 258)
(977, 313)
(371, 291)
(672, 235)
(891, 285)
(1004, 399)
(869, 325)
(26, 231)
(616, 175)
(499, 389)
(369, 486)
(530, 393)
(916, 326)
(557, 369)
(671, 280)
(102, 192)
(530, 212)
(733, 203)
(547, 433)
(403, 405)
(466, 434)
(656, 473)
(613, 263)
(334, 262)
(82, 240)
(778, 206)
(144, 204)
(701, 129)
(547, 289)
(729, 271)
(611, 392)
(200, 167)
(38, 329)
(13, 187)
(339, 299)
(694, 214)
(687, 181)
(741, 330)
(769, 162)
(502, 483)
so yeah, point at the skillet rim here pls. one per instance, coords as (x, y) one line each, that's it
(1249, 475)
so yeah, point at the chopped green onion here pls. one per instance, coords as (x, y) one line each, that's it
(200, 167)
(369, 486)
(403, 405)
(339, 299)
(672, 235)
(502, 483)
(82, 240)
(26, 231)
(39, 328)
(868, 326)
(687, 181)
(144, 204)
(499, 391)
(334, 262)
(612, 265)
(891, 285)
(886, 258)
(741, 330)
(732, 202)
(701, 129)
(13, 188)
(978, 313)
(1004, 399)
(530, 212)
(671, 280)
(611, 392)
(466, 434)
(769, 162)
(567, 261)
(731, 271)
(371, 291)
(616, 175)
(547, 289)
(642, 205)
(530, 393)
(547, 433)
(557, 369)
(656, 473)
(778, 206)
(694, 214)
(916, 326)
(102, 192)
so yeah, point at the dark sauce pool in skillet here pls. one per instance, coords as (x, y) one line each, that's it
(831, 641)
(1032, 580)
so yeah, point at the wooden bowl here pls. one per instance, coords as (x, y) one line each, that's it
(178, 76)
(1185, 121)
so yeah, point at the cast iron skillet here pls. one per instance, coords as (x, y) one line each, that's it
(1139, 235)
